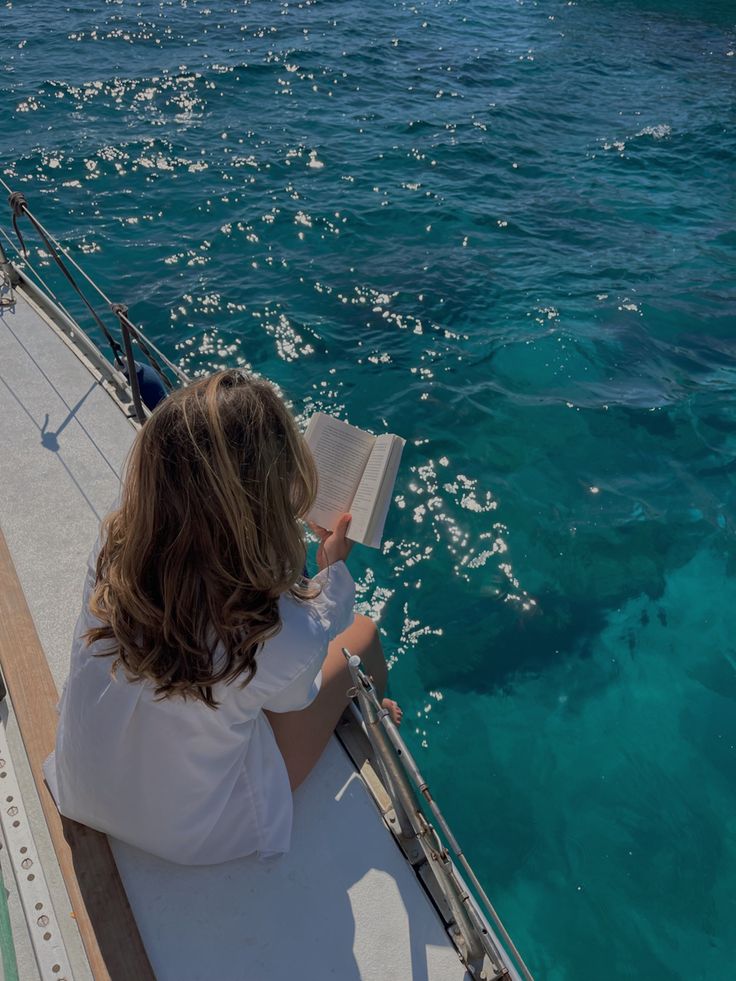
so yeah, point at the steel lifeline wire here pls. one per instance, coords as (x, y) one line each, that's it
(145, 388)
(19, 207)
(175, 369)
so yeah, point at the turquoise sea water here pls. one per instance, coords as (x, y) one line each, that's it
(504, 230)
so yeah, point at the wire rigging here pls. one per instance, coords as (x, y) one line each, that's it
(122, 353)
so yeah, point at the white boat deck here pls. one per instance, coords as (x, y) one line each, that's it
(344, 903)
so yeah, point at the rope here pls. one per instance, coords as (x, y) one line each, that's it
(180, 374)
(71, 259)
(18, 204)
(121, 312)
(19, 207)
(29, 265)
(146, 345)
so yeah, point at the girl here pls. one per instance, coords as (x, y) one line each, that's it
(206, 672)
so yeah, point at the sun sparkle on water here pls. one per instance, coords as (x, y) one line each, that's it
(503, 230)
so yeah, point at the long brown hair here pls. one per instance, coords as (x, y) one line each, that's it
(206, 538)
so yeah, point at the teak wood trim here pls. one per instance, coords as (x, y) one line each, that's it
(99, 904)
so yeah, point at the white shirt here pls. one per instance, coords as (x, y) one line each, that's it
(176, 778)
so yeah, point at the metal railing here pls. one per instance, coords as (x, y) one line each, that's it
(165, 371)
(409, 792)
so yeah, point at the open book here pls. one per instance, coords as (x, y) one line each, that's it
(357, 473)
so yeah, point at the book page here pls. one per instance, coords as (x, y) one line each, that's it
(383, 502)
(368, 489)
(340, 452)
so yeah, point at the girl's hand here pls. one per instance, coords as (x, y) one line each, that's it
(333, 545)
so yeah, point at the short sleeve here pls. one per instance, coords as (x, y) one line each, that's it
(289, 673)
(301, 692)
(335, 604)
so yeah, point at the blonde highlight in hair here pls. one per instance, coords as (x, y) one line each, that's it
(206, 538)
